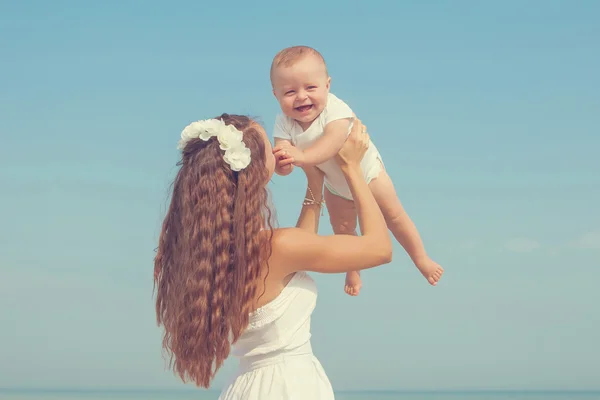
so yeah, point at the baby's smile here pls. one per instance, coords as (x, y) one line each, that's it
(304, 109)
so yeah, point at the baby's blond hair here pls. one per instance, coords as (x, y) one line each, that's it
(291, 55)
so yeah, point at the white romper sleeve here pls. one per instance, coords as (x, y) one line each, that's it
(282, 128)
(337, 109)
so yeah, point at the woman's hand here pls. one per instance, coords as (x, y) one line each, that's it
(355, 146)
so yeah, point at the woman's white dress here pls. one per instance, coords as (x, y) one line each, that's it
(275, 355)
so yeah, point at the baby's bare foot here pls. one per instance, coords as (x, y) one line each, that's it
(431, 270)
(353, 283)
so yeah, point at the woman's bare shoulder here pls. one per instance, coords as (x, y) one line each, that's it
(278, 263)
(280, 236)
(283, 239)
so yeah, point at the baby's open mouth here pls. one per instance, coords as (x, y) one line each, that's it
(303, 109)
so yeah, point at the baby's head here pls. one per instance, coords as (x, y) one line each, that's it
(300, 82)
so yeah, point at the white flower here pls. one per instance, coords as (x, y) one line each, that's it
(237, 157)
(192, 131)
(210, 128)
(200, 130)
(229, 137)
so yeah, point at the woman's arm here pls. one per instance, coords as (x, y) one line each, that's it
(301, 249)
(312, 206)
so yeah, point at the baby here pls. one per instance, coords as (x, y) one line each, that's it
(311, 130)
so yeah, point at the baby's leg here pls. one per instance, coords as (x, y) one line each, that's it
(342, 215)
(402, 227)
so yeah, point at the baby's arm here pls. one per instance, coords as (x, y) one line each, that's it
(324, 148)
(328, 145)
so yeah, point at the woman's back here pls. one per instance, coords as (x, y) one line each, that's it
(275, 354)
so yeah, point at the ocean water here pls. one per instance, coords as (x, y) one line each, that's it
(205, 395)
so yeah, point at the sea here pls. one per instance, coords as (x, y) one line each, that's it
(366, 395)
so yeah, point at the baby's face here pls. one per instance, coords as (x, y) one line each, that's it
(302, 89)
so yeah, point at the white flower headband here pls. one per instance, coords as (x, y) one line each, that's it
(237, 155)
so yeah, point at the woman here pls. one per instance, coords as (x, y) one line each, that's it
(224, 276)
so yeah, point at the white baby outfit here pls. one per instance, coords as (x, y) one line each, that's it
(276, 358)
(287, 128)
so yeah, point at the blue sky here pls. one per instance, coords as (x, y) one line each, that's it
(488, 119)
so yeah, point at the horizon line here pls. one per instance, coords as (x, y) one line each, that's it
(192, 389)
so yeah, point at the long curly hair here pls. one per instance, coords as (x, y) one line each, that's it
(213, 249)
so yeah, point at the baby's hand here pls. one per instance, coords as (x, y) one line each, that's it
(284, 170)
(284, 162)
(288, 151)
